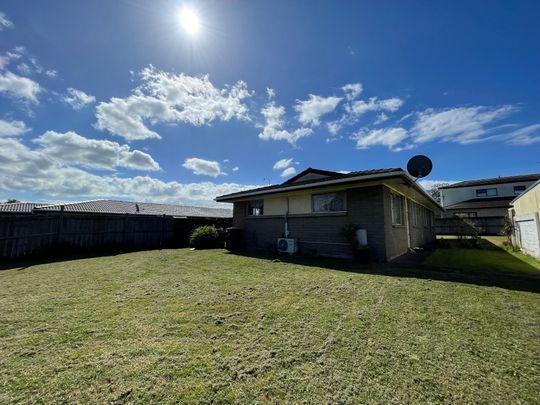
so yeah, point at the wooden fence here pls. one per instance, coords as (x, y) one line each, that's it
(452, 226)
(25, 235)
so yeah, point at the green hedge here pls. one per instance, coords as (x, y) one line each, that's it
(206, 237)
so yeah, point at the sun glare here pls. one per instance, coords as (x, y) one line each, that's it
(189, 20)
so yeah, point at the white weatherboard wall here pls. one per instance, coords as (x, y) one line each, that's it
(452, 196)
(527, 233)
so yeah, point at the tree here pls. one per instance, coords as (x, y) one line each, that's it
(11, 201)
(434, 191)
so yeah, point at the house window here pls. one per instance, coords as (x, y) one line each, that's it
(519, 189)
(256, 207)
(414, 213)
(466, 214)
(329, 202)
(486, 192)
(396, 202)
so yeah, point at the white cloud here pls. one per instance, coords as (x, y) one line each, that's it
(166, 97)
(355, 109)
(12, 128)
(273, 128)
(27, 65)
(311, 110)
(235, 168)
(78, 99)
(382, 117)
(352, 90)
(460, 124)
(282, 164)
(288, 172)
(23, 169)
(125, 117)
(429, 184)
(389, 137)
(5, 22)
(203, 167)
(75, 149)
(360, 107)
(10, 56)
(19, 87)
(24, 69)
(334, 127)
(524, 136)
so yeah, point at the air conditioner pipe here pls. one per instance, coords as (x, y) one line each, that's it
(287, 220)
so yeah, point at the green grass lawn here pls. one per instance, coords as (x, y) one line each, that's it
(181, 326)
(491, 256)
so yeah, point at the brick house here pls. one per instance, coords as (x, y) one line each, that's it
(388, 204)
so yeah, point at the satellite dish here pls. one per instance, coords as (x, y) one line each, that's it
(419, 166)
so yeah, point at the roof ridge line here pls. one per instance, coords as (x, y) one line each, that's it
(71, 203)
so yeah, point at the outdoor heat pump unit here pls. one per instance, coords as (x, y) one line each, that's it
(287, 245)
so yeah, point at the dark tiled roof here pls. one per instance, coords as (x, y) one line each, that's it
(136, 208)
(478, 203)
(329, 176)
(18, 207)
(496, 180)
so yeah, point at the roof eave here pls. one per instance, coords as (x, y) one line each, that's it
(378, 176)
(248, 193)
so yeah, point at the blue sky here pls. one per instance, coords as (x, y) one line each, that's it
(118, 100)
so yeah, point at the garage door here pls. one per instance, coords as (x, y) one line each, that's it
(527, 230)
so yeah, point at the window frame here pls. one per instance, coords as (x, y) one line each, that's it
(343, 194)
(249, 205)
(521, 187)
(401, 200)
(414, 208)
(484, 192)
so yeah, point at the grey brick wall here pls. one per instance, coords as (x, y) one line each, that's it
(320, 234)
(396, 236)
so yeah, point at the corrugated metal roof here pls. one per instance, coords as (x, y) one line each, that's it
(18, 207)
(496, 180)
(137, 208)
(293, 183)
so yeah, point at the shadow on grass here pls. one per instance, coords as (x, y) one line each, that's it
(406, 267)
(58, 256)
(409, 269)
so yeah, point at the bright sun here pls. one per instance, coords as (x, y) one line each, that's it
(189, 20)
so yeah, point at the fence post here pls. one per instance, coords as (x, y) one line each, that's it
(162, 230)
(60, 224)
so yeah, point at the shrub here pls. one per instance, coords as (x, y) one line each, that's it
(206, 237)
(508, 229)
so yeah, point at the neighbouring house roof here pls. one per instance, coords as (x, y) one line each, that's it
(18, 207)
(535, 184)
(122, 207)
(479, 203)
(324, 178)
(495, 180)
